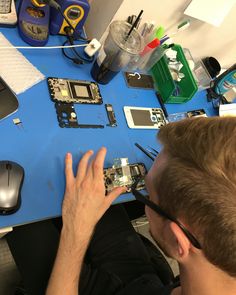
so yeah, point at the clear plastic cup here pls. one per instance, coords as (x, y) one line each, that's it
(117, 52)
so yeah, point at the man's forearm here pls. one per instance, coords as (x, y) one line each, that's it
(67, 267)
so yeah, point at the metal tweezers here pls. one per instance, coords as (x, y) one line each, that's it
(151, 152)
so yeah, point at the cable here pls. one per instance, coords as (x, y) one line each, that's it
(44, 47)
(85, 59)
(74, 60)
(78, 59)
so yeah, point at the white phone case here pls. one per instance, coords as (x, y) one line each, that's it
(157, 118)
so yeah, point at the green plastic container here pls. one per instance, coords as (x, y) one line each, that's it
(166, 86)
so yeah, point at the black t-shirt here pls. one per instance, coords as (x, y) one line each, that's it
(146, 285)
(105, 283)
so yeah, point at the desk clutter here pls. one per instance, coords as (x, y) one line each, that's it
(146, 53)
(131, 45)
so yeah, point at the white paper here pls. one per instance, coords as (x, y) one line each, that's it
(210, 11)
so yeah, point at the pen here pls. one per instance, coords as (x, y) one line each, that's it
(144, 151)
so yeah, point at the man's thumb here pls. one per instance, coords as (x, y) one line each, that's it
(115, 193)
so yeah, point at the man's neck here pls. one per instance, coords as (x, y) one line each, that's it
(204, 280)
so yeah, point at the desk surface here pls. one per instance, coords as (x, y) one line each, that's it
(40, 146)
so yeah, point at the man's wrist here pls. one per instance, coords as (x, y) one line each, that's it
(75, 239)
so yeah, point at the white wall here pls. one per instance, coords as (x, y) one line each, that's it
(100, 15)
(201, 38)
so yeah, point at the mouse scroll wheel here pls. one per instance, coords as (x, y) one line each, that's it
(8, 166)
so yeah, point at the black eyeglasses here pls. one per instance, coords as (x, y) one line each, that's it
(144, 199)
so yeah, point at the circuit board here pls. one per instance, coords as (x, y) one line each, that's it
(74, 91)
(124, 176)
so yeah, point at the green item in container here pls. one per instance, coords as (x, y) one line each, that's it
(160, 32)
(165, 84)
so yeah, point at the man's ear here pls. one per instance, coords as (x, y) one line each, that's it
(182, 242)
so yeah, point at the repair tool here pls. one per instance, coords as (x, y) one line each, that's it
(161, 102)
(154, 152)
(147, 153)
(73, 11)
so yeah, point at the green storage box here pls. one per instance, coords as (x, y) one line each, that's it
(166, 86)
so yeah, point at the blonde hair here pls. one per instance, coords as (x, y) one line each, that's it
(199, 183)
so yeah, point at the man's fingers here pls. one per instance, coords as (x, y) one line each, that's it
(115, 193)
(83, 165)
(68, 169)
(98, 162)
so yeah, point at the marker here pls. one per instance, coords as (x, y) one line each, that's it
(150, 46)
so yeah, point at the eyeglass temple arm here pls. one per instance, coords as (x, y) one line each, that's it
(156, 208)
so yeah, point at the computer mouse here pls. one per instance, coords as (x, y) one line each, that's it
(11, 180)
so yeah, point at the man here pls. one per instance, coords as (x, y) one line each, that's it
(191, 210)
(193, 179)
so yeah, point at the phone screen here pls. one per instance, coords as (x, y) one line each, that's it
(141, 117)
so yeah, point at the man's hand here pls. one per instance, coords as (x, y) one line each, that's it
(85, 201)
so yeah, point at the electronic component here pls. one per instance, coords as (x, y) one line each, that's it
(17, 122)
(196, 113)
(8, 16)
(124, 174)
(144, 118)
(74, 91)
(183, 115)
(137, 80)
(110, 115)
(67, 117)
(33, 23)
